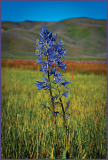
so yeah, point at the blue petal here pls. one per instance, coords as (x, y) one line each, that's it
(68, 116)
(67, 106)
(55, 36)
(45, 79)
(65, 93)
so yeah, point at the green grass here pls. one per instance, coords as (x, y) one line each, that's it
(4, 28)
(68, 59)
(20, 57)
(101, 30)
(79, 33)
(27, 131)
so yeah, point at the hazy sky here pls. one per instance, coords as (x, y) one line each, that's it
(52, 11)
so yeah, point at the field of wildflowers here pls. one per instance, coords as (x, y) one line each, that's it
(76, 67)
(27, 130)
(31, 127)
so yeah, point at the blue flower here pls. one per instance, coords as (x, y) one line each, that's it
(38, 83)
(40, 62)
(60, 43)
(55, 113)
(65, 93)
(46, 107)
(46, 80)
(68, 116)
(55, 37)
(47, 87)
(65, 83)
(48, 46)
(58, 74)
(45, 72)
(44, 69)
(54, 97)
(67, 106)
(58, 80)
(42, 85)
(52, 71)
(61, 65)
(53, 52)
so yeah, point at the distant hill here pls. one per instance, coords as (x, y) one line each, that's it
(83, 37)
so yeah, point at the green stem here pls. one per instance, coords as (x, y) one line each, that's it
(52, 100)
(64, 122)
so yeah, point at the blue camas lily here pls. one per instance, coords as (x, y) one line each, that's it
(53, 51)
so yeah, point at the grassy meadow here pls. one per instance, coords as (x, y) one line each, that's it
(27, 130)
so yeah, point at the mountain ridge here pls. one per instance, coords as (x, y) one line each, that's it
(83, 37)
